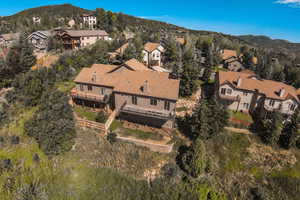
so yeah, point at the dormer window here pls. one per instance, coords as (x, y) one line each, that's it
(271, 103)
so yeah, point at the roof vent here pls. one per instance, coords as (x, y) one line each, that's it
(145, 87)
(281, 92)
(94, 77)
(239, 82)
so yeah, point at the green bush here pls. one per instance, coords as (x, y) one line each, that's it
(101, 117)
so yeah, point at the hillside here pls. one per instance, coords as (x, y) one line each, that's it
(264, 41)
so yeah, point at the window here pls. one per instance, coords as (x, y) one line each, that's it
(102, 91)
(134, 100)
(223, 91)
(167, 105)
(245, 93)
(229, 91)
(90, 88)
(81, 88)
(292, 107)
(246, 106)
(87, 38)
(153, 102)
(271, 103)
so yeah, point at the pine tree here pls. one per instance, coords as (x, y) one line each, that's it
(271, 127)
(291, 135)
(53, 125)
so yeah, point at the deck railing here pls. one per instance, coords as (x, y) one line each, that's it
(89, 96)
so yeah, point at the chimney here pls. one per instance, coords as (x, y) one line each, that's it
(239, 82)
(281, 92)
(145, 87)
(94, 77)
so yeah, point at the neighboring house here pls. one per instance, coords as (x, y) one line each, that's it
(246, 92)
(152, 54)
(71, 23)
(90, 20)
(139, 94)
(39, 39)
(233, 64)
(119, 52)
(36, 20)
(7, 39)
(226, 54)
(73, 39)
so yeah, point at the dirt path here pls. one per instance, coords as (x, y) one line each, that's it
(237, 130)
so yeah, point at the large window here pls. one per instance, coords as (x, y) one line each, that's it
(246, 106)
(292, 107)
(81, 87)
(90, 88)
(134, 100)
(102, 91)
(223, 91)
(229, 91)
(153, 102)
(271, 103)
(167, 105)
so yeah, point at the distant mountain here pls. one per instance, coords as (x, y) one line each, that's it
(50, 14)
(64, 10)
(266, 42)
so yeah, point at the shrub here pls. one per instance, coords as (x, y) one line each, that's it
(15, 140)
(112, 137)
(101, 117)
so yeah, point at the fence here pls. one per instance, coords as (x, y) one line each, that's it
(90, 124)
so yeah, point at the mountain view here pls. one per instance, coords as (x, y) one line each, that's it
(97, 104)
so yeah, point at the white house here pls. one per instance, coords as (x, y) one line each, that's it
(36, 20)
(39, 39)
(89, 20)
(152, 54)
(71, 23)
(246, 92)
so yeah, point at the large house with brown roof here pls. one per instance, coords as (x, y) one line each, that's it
(140, 94)
(7, 39)
(152, 54)
(245, 92)
(73, 39)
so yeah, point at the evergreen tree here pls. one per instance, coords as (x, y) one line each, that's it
(291, 136)
(269, 127)
(188, 83)
(20, 57)
(53, 124)
(195, 159)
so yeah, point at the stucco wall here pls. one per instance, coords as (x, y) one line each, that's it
(95, 89)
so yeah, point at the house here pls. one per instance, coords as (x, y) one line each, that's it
(71, 23)
(233, 64)
(36, 20)
(246, 92)
(226, 54)
(7, 39)
(89, 20)
(39, 39)
(119, 52)
(152, 54)
(138, 94)
(73, 39)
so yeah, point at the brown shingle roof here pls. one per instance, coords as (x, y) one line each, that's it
(122, 49)
(149, 46)
(226, 54)
(136, 65)
(266, 87)
(127, 81)
(80, 33)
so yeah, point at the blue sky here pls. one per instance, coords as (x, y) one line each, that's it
(274, 18)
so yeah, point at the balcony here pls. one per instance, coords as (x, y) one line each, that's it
(230, 98)
(137, 110)
(89, 96)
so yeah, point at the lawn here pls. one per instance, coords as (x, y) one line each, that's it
(115, 125)
(85, 113)
(66, 86)
(181, 109)
(141, 134)
(240, 118)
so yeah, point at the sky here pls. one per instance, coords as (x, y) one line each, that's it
(278, 19)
